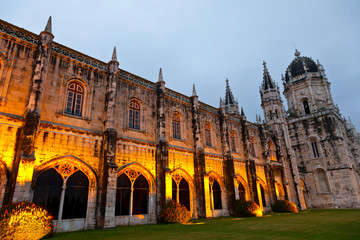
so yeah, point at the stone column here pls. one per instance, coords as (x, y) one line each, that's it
(163, 177)
(252, 178)
(228, 164)
(105, 215)
(26, 137)
(199, 159)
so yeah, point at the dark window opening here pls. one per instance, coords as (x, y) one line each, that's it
(217, 195)
(47, 191)
(306, 107)
(123, 191)
(176, 126)
(315, 149)
(141, 195)
(76, 196)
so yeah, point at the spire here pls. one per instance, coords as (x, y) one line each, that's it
(267, 80)
(161, 79)
(194, 91)
(114, 58)
(221, 103)
(229, 98)
(48, 26)
(242, 112)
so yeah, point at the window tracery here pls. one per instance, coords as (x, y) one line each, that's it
(132, 193)
(134, 114)
(208, 134)
(176, 125)
(63, 190)
(74, 98)
(180, 190)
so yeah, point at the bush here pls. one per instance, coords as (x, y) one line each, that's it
(173, 212)
(284, 206)
(25, 221)
(247, 209)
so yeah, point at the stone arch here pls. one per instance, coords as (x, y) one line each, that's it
(144, 171)
(71, 170)
(76, 162)
(185, 175)
(181, 172)
(263, 197)
(243, 182)
(217, 199)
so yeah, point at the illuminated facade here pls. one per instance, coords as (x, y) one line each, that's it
(100, 147)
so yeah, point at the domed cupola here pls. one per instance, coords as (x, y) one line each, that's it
(299, 68)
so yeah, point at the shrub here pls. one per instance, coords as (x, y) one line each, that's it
(173, 212)
(284, 206)
(247, 209)
(25, 221)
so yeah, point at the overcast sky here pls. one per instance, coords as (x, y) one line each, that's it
(205, 42)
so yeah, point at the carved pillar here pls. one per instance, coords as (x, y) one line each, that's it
(163, 177)
(228, 164)
(199, 160)
(251, 175)
(270, 179)
(105, 215)
(26, 137)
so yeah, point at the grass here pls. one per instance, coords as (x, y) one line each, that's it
(311, 224)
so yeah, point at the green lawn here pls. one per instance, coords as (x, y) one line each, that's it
(310, 224)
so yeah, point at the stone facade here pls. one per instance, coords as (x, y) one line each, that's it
(103, 147)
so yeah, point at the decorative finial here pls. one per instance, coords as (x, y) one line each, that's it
(264, 63)
(114, 58)
(48, 26)
(161, 79)
(297, 53)
(221, 103)
(242, 112)
(194, 91)
(227, 81)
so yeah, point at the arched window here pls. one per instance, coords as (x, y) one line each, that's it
(262, 195)
(176, 125)
(134, 114)
(208, 134)
(270, 115)
(215, 193)
(232, 141)
(180, 191)
(242, 194)
(67, 181)
(276, 113)
(306, 107)
(314, 148)
(74, 98)
(252, 146)
(271, 151)
(322, 180)
(132, 194)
